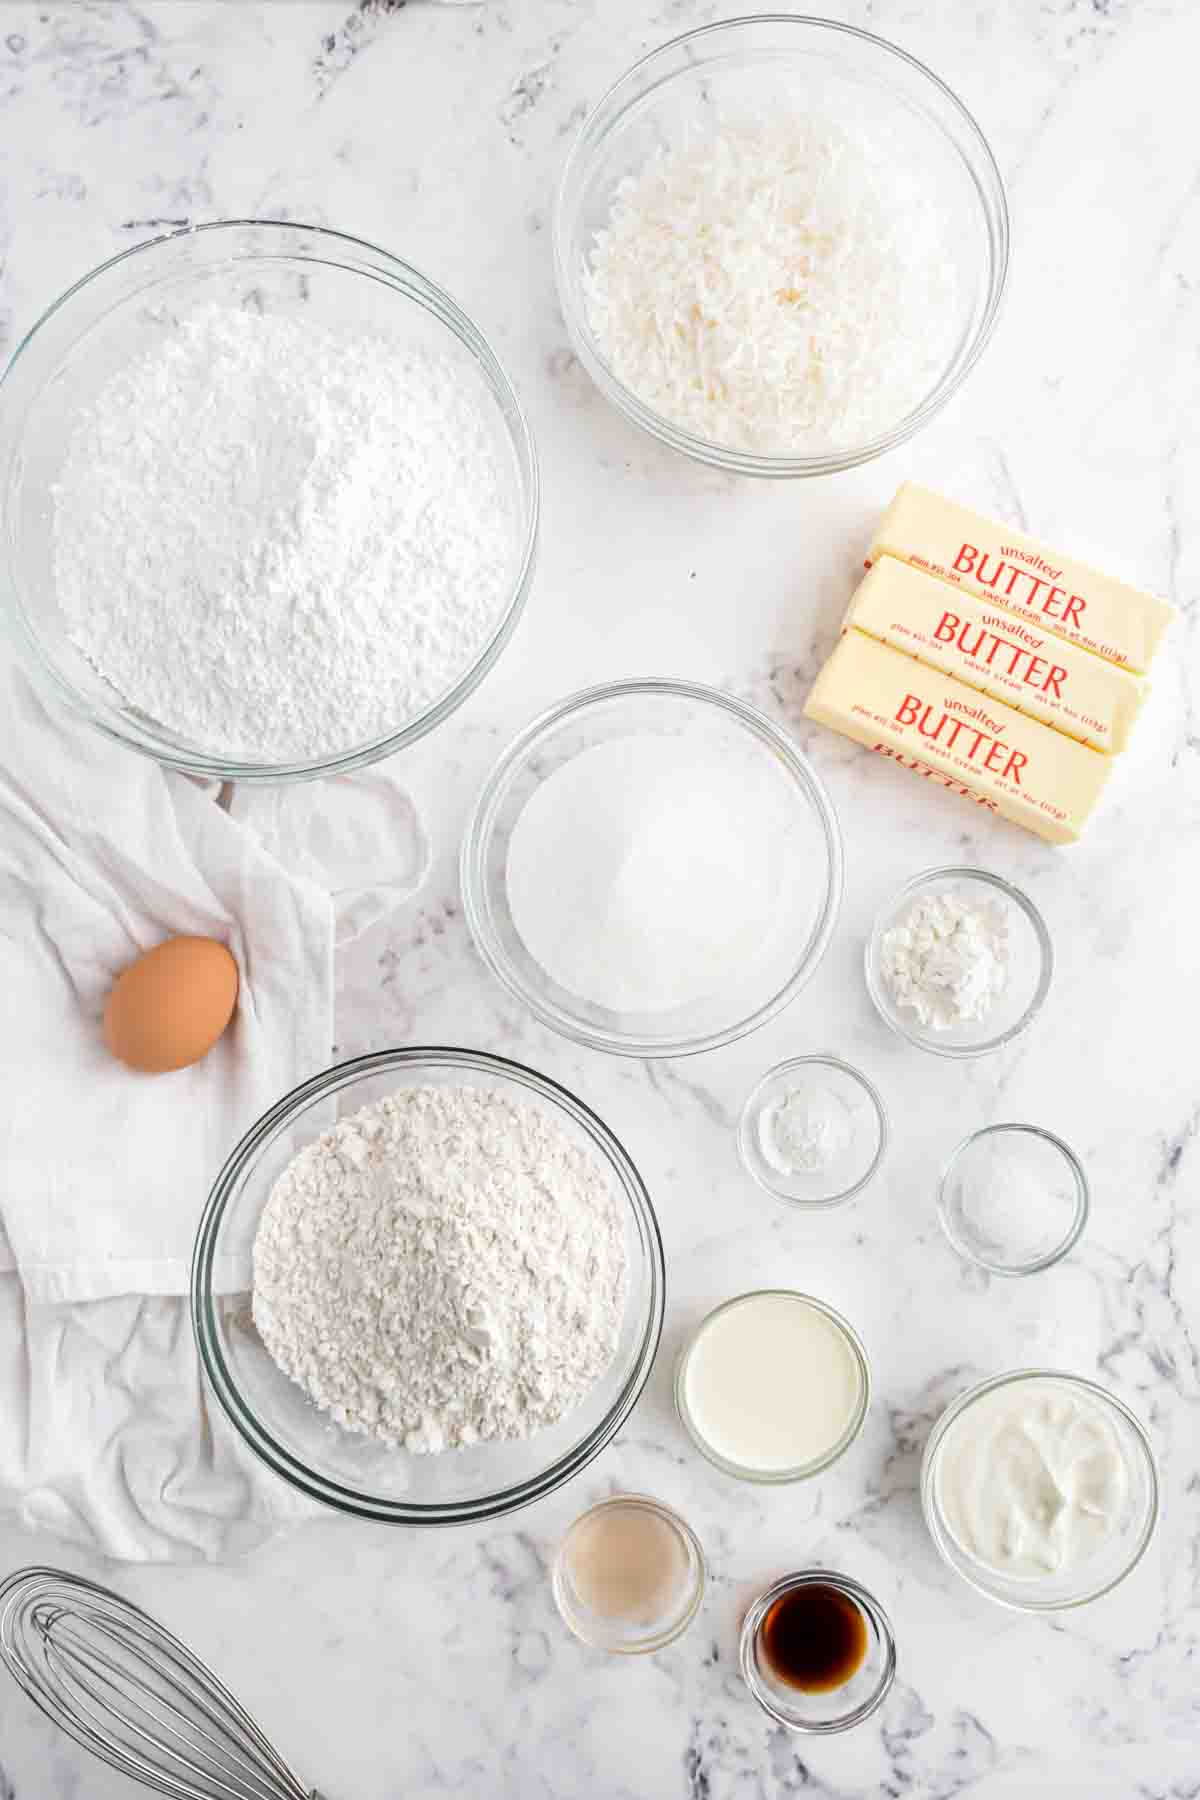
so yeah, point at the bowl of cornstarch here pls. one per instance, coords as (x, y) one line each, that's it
(780, 245)
(428, 1286)
(271, 501)
(653, 868)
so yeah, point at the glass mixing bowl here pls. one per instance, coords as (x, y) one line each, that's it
(361, 1475)
(112, 315)
(808, 851)
(742, 66)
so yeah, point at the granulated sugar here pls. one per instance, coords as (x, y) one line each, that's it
(282, 539)
(645, 870)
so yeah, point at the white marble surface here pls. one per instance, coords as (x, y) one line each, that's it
(407, 1665)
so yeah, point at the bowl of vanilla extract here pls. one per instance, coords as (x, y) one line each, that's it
(818, 1652)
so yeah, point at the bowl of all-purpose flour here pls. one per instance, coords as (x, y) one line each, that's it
(653, 867)
(271, 501)
(428, 1286)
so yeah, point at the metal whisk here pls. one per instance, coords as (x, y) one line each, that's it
(131, 1693)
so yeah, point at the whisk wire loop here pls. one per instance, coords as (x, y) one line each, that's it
(127, 1690)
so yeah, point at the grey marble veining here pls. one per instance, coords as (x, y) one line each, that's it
(419, 1666)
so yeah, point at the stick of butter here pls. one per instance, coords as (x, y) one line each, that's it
(957, 738)
(998, 653)
(1006, 566)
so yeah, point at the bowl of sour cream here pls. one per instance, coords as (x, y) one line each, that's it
(1040, 1489)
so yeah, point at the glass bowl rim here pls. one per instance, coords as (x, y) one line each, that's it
(414, 287)
(943, 1538)
(1079, 1216)
(659, 1640)
(817, 1059)
(257, 1436)
(757, 1611)
(480, 824)
(722, 456)
(890, 1015)
(803, 1471)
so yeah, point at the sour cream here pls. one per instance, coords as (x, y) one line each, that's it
(1031, 1479)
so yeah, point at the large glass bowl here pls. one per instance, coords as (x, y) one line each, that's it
(357, 1474)
(808, 849)
(1098, 1574)
(742, 66)
(113, 314)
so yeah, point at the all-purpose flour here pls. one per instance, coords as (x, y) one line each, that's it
(445, 1266)
(281, 539)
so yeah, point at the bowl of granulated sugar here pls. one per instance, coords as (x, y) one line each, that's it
(653, 868)
(271, 501)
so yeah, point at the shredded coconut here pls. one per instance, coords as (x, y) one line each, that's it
(947, 959)
(445, 1266)
(281, 539)
(777, 286)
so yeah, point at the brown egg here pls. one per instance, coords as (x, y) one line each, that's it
(169, 1007)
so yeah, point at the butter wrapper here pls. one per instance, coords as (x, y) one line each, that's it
(1006, 567)
(999, 653)
(954, 737)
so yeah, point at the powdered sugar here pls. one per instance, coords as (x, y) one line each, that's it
(947, 959)
(445, 1266)
(281, 539)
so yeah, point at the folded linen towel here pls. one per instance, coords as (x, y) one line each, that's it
(108, 1438)
(102, 855)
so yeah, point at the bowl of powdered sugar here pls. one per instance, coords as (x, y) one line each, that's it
(428, 1286)
(780, 245)
(271, 501)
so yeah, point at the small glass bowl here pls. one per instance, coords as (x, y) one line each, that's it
(808, 851)
(865, 1121)
(1100, 1573)
(302, 272)
(802, 1471)
(742, 66)
(1030, 966)
(973, 1215)
(620, 1635)
(839, 1709)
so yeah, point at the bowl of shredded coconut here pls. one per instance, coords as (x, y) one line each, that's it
(428, 1286)
(959, 962)
(780, 244)
(271, 501)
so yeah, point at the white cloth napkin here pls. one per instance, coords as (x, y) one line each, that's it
(108, 1438)
(102, 855)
